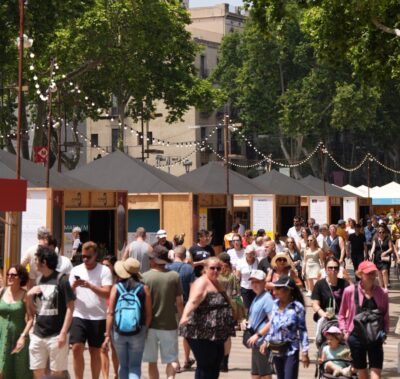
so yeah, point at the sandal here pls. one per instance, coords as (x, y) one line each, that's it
(188, 364)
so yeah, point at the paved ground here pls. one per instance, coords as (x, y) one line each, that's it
(240, 357)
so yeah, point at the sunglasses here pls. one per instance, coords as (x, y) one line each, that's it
(87, 256)
(235, 240)
(333, 268)
(381, 232)
(310, 240)
(281, 260)
(12, 275)
(215, 268)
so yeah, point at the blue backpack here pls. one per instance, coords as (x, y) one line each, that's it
(128, 311)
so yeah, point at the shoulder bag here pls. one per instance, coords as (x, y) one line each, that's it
(249, 332)
(368, 324)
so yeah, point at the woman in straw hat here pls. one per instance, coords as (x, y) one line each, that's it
(129, 347)
(282, 265)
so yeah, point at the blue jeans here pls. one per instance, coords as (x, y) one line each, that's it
(287, 366)
(130, 351)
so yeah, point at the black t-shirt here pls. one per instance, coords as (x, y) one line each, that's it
(199, 253)
(322, 293)
(51, 304)
(357, 244)
(264, 265)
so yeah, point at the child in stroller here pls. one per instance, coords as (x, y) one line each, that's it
(335, 354)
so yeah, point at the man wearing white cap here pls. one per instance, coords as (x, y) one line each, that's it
(77, 240)
(162, 240)
(259, 314)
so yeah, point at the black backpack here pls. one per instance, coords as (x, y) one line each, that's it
(368, 324)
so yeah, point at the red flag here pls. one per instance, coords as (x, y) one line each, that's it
(40, 154)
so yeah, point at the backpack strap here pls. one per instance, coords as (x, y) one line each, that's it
(60, 275)
(121, 289)
(357, 299)
(137, 289)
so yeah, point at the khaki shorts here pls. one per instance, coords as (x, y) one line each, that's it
(43, 349)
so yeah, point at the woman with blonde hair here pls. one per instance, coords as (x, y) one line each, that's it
(207, 320)
(314, 259)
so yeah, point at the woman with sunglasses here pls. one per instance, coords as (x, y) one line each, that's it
(303, 241)
(207, 320)
(15, 322)
(314, 258)
(327, 293)
(287, 334)
(237, 251)
(381, 251)
(281, 265)
(295, 255)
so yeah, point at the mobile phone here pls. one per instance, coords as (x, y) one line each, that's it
(16, 350)
(77, 277)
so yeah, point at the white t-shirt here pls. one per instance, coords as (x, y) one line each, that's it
(293, 233)
(235, 255)
(322, 242)
(76, 243)
(29, 257)
(64, 265)
(88, 305)
(245, 271)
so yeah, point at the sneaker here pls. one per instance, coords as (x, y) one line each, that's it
(187, 365)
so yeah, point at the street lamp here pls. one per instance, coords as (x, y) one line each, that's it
(187, 163)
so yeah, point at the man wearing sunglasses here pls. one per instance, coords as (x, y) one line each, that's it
(92, 283)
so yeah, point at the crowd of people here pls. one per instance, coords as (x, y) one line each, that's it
(133, 310)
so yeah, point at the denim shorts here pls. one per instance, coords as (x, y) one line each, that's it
(168, 342)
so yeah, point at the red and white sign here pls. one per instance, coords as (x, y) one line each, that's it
(40, 154)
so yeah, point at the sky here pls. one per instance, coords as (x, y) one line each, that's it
(202, 3)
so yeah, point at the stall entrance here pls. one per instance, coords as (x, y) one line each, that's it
(96, 225)
(216, 224)
(286, 221)
(364, 211)
(335, 214)
(101, 230)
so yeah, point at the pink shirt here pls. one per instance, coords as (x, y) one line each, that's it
(348, 307)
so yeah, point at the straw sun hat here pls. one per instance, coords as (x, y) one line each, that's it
(125, 269)
(284, 255)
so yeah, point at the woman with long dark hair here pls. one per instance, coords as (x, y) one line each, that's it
(288, 332)
(15, 322)
(381, 251)
(129, 347)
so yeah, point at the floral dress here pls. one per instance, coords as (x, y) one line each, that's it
(212, 320)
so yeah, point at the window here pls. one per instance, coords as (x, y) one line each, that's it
(203, 131)
(114, 139)
(114, 106)
(140, 138)
(203, 69)
(94, 138)
(149, 138)
(220, 142)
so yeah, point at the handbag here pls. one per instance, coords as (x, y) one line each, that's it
(368, 324)
(384, 258)
(249, 332)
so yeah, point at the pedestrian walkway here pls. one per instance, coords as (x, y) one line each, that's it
(239, 361)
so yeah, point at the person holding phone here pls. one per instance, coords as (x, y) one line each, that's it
(15, 322)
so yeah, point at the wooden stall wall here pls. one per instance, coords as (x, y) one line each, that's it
(177, 215)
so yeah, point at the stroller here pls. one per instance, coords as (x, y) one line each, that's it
(320, 340)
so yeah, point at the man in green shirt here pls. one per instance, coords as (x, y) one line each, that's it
(166, 295)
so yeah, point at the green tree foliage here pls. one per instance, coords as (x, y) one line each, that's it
(135, 51)
(301, 72)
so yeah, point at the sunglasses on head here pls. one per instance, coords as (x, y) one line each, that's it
(215, 268)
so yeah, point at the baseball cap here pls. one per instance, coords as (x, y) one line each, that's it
(333, 330)
(340, 222)
(366, 267)
(285, 281)
(258, 275)
(249, 249)
(161, 233)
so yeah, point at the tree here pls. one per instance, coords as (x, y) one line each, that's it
(134, 51)
(285, 88)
